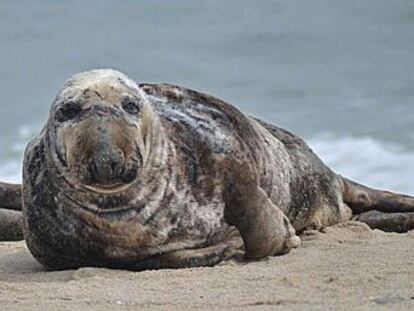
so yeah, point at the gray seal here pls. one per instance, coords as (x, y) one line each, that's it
(149, 176)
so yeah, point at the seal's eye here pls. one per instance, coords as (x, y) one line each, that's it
(68, 112)
(131, 107)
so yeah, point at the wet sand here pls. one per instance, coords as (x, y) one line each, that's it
(350, 267)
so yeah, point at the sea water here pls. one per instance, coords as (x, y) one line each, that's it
(338, 73)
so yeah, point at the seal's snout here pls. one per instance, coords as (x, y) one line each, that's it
(106, 166)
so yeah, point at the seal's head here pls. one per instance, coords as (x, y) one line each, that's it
(97, 129)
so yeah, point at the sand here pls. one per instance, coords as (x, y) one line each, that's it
(350, 267)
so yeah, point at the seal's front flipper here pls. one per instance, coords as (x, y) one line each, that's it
(190, 258)
(10, 225)
(266, 231)
(390, 222)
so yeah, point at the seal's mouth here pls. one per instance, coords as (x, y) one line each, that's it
(108, 189)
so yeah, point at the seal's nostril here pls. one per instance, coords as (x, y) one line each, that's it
(129, 175)
(115, 167)
(94, 171)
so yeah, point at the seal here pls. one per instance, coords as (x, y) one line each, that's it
(149, 176)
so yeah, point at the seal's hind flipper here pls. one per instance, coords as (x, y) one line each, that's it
(379, 209)
(11, 196)
(363, 199)
(390, 222)
(10, 215)
(10, 225)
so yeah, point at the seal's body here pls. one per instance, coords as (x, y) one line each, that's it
(154, 176)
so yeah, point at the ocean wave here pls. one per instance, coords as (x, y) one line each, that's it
(363, 159)
(11, 154)
(369, 161)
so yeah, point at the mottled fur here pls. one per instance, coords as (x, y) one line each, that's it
(202, 170)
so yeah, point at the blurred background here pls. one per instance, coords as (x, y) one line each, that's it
(338, 73)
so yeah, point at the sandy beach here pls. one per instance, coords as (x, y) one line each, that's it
(350, 267)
